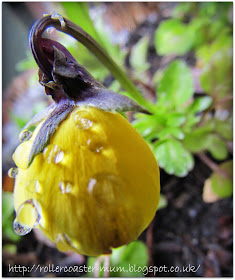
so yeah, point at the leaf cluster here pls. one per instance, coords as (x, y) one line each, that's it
(185, 123)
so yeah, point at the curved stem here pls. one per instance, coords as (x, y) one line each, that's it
(66, 26)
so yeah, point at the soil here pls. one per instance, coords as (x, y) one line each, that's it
(190, 232)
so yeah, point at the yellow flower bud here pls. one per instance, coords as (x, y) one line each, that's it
(93, 188)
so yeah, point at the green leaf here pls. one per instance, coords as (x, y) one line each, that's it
(224, 128)
(7, 217)
(162, 202)
(171, 131)
(175, 119)
(182, 9)
(217, 67)
(133, 255)
(138, 57)
(196, 141)
(200, 104)
(203, 139)
(173, 37)
(173, 157)
(147, 124)
(176, 86)
(78, 12)
(217, 147)
(222, 185)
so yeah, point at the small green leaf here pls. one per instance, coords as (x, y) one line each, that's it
(217, 147)
(224, 128)
(133, 255)
(171, 131)
(147, 125)
(162, 202)
(203, 139)
(173, 37)
(176, 86)
(173, 157)
(138, 57)
(175, 119)
(217, 67)
(222, 185)
(200, 104)
(7, 217)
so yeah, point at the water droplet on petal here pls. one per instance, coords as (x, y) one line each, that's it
(19, 229)
(27, 217)
(38, 187)
(59, 157)
(25, 135)
(91, 184)
(82, 120)
(63, 242)
(21, 154)
(13, 172)
(65, 187)
(105, 188)
(53, 154)
(95, 147)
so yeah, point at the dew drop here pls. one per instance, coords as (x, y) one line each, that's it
(91, 184)
(63, 242)
(65, 187)
(59, 157)
(106, 188)
(13, 172)
(27, 217)
(53, 154)
(38, 187)
(19, 229)
(95, 147)
(21, 154)
(25, 135)
(82, 120)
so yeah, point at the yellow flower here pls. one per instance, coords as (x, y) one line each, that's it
(94, 187)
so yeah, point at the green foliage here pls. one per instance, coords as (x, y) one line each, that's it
(134, 255)
(222, 184)
(162, 202)
(173, 37)
(217, 64)
(183, 124)
(176, 85)
(202, 140)
(175, 115)
(138, 57)
(7, 217)
(173, 157)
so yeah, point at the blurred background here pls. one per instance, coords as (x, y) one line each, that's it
(180, 57)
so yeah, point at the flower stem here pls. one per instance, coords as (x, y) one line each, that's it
(66, 26)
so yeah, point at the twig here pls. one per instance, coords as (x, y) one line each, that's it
(106, 265)
(97, 264)
(213, 166)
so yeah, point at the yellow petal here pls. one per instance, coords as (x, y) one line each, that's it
(97, 182)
